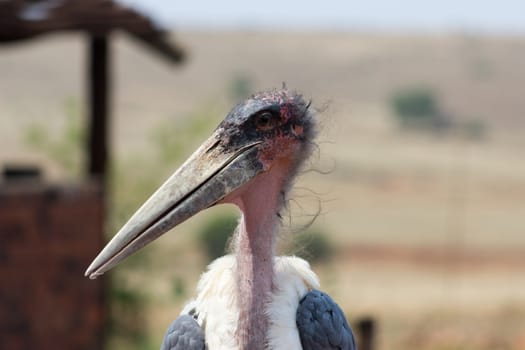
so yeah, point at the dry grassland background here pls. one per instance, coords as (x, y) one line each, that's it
(428, 230)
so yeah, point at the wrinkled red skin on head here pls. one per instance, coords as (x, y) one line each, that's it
(281, 146)
(287, 111)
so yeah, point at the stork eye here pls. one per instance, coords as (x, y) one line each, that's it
(265, 121)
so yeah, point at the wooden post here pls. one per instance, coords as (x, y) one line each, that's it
(366, 333)
(98, 99)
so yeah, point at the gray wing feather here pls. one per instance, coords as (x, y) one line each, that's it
(322, 324)
(184, 333)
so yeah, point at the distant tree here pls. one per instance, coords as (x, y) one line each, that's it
(312, 245)
(415, 103)
(417, 108)
(214, 235)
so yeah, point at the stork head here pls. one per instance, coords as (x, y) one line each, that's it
(260, 134)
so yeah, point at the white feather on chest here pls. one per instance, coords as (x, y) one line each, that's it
(216, 302)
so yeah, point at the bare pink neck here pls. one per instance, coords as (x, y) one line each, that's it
(255, 252)
(255, 274)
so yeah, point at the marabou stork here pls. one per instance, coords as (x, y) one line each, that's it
(251, 299)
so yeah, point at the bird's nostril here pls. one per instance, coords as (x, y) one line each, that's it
(212, 147)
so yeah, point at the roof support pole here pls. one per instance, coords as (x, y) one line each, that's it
(99, 105)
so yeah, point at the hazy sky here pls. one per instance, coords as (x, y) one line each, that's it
(430, 15)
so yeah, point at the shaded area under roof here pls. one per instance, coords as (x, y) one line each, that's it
(24, 19)
(96, 19)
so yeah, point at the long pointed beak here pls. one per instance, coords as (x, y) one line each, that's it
(209, 175)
